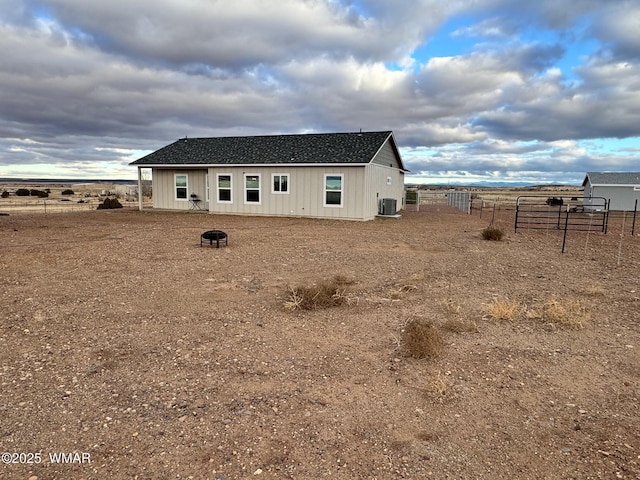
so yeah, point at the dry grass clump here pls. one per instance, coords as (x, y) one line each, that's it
(411, 284)
(569, 314)
(327, 293)
(439, 386)
(503, 309)
(459, 325)
(492, 233)
(397, 294)
(454, 321)
(450, 308)
(595, 291)
(422, 339)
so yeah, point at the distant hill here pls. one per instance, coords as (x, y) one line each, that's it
(479, 185)
(63, 180)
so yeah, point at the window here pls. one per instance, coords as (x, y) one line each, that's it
(181, 186)
(333, 190)
(223, 187)
(389, 180)
(280, 183)
(251, 188)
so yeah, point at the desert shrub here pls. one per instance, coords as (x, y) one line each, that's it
(503, 309)
(492, 233)
(38, 193)
(22, 192)
(109, 203)
(68, 191)
(568, 314)
(422, 339)
(5, 194)
(324, 294)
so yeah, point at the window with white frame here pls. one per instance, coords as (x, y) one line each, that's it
(223, 188)
(280, 183)
(252, 188)
(333, 190)
(181, 186)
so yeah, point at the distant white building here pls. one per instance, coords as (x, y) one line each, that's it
(126, 189)
(622, 189)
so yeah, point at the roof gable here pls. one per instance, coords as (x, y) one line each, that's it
(612, 178)
(306, 149)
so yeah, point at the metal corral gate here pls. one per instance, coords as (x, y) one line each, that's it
(460, 200)
(568, 213)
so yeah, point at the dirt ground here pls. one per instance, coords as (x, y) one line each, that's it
(125, 343)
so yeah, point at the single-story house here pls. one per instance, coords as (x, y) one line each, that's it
(328, 175)
(621, 188)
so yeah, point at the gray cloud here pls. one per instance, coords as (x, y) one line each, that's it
(605, 104)
(218, 34)
(618, 28)
(88, 84)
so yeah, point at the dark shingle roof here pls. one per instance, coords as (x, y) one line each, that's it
(612, 178)
(321, 148)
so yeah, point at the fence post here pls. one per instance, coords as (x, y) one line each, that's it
(564, 238)
(621, 236)
(633, 224)
(493, 214)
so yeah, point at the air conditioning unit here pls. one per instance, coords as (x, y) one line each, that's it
(388, 206)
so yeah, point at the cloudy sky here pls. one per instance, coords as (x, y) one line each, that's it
(474, 90)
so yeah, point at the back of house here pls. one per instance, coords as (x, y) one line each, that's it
(330, 175)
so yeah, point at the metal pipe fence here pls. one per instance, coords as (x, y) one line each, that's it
(544, 213)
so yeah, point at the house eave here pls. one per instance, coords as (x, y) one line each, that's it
(624, 185)
(604, 179)
(250, 165)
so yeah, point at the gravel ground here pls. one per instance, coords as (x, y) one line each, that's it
(146, 356)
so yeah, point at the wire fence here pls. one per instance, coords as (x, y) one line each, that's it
(618, 243)
(610, 234)
(415, 198)
(12, 207)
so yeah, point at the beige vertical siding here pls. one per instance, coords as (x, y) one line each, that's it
(305, 197)
(382, 182)
(164, 188)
